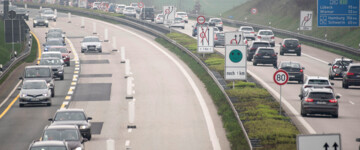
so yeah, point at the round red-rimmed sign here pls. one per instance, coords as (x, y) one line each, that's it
(201, 19)
(140, 4)
(254, 11)
(281, 77)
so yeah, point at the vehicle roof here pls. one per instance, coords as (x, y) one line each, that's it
(294, 62)
(215, 18)
(52, 126)
(325, 90)
(291, 39)
(57, 47)
(266, 48)
(346, 59)
(50, 58)
(49, 143)
(267, 42)
(246, 27)
(91, 37)
(356, 64)
(265, 30)
(181, 12)
(52, 52)
(70, 109)
(37, 66)
(54, 39)
(317, 77)
(35, 81)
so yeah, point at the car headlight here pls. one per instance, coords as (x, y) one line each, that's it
(26, 14)
(84, 127)
(45, 94)
(35, 21)
(46, 21)
(23, 95)
(78, 148)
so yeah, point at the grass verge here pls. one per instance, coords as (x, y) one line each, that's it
(256, 107)
(6, 48)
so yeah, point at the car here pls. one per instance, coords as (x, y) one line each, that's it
(95, 5)
(91, 43)
(248, 31)
(178, 22)
(53, 42)
(290, 45)
(129, 11)
(65, 53)
(217, 22)
(120, 8)
(182, 15)
(40, 21)
(42, 10)
(195, 26)
(51, 54)
(253, 47)
(266, 35)
(135, 6)
(219, 39)
(339, 67)
(56, 64)
(55, 36)
(57, 30)
(40, 73)
(159, 19)
(216, 30)
(320, 101)
(22, 12)
(49, 15)
(352, 76)
(315, 82)
(49, 145)
(265, 55)
(147, 13)
(68, 133)
(294, 70)
(111, 8)
(73, 116)
(34, 92)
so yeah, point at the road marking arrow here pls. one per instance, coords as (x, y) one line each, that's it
(326, 146)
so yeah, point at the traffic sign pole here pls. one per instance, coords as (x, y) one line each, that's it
(281, 77)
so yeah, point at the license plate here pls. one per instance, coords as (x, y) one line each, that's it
(291, 50)
(266, 56)
(358, 76)
(35, 99)
(265, 38)
(322, 103)
(292, 76)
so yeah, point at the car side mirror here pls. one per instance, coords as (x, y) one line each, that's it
(84, 140)
(18, 88)
(50, 119)
(303, 68)
(357, 139)
(20, 78)
(69, 51)
(280, 44)
(332, 83)
(337, 97)
(329, 64)
(300, 95)
(89, 118)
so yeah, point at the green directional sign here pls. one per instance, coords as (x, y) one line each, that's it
(235, 55)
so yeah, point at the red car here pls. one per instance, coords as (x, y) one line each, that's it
(64, 52)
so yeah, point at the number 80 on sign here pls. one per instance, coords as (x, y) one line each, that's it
(281, 77)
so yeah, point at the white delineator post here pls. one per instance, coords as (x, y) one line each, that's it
(127, 68)
(69, 17)
(25, 6)
(114, 43)
(94, 28)
(110, 144)
(131, 108)
(82, 22)
(129, 88)
(106, 35)
(122, 55)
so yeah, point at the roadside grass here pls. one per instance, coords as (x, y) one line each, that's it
(6, 48)
(258, 110)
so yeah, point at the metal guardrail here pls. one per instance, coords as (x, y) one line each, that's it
(158, 31)
(301, 37)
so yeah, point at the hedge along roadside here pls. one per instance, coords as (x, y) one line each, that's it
(159, 31)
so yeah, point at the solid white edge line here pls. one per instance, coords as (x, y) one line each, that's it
(312, 57)
(285, 102)
(11, 93)
(209, 122)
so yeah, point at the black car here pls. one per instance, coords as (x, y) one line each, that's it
(147, 14)
(290, 46)
(194, 30)
(352, 76)
(253, 47)
(219, 39)
(67, 133)
(40, 21)
(73, 117)
(294, 69)
(338, 68)
(264, 55)
(320, 101)
(49, 145)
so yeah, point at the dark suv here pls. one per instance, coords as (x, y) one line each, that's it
(320, 101)
(147, 14)
(290, 46)
(294, 69)
(352, 76)
(338, 68)
(265, 55)
(252, 49)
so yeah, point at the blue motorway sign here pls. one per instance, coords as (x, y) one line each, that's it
(338, 13)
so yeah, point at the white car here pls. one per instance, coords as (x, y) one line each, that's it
(248, 31)
(217, 22)
(159, 19)
(182, 15)
(266, 35)
(129, 11)
(120, 8)
(178, 22)
(49, 15)
(315, 82)
(96, 5)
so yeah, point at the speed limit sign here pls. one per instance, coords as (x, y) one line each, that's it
(281, 77)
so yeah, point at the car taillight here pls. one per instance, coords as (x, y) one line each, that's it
(259, 37)
(220, 23)
(298, 46)
(274, 55)
(301, 70)
(350, 74)
(258, 54)
(308, 86)
(182, 21)
(309, 100)
(333, 101)
(246, 42)
(329, 87)
(216, 37)
(272, 37)
(335, 66)
(284, 46)
(252, 32)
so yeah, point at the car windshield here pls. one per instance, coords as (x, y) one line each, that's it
(266, 33)
(55, 30)
(256, 45)
(346, 63)
(290, 65)
(49, 148)
(20, 10)
(57, 49)
(62, 116)
(54, 42)
(215, 20)
(178, 19)
(220, 34)
(129, 8)
(55, 62)
(61, 135)
(54, 35)
(321, 95)
(292, 42)
(91, 40)
(39, 17)
(247, 29)
(355, 69)
(37, 72)
(34, 85)
(55, 55)
(318, 82)
(121, 6)
(48, 12)
(266, 51)
(216, 29)
(181, 13)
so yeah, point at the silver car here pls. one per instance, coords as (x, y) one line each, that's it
(91, 43)
(49, 14)
(56, 64)
(178, 22)
(57, 30)
(315, 82)
(217, 22)
(40, 73)
(55, 36)
(159, 19)
(35, 92)
(248, 31)
(266, 35)
(129, 11)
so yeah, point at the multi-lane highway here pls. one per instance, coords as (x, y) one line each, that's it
(315, 62)
(173, 109)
